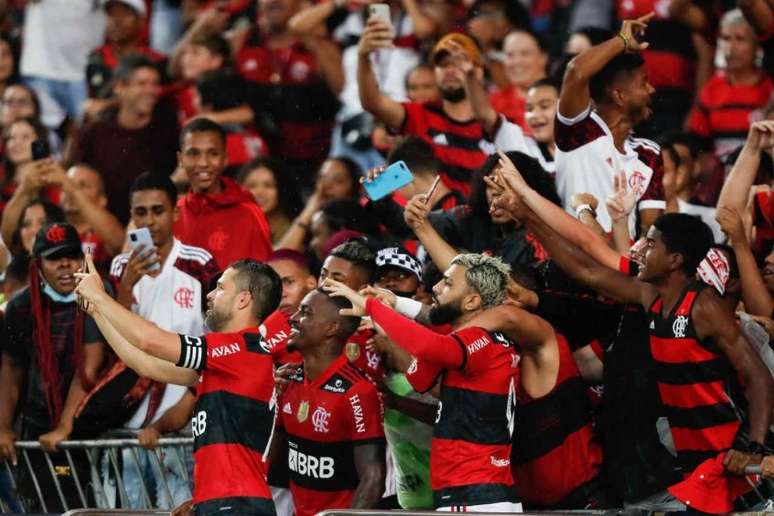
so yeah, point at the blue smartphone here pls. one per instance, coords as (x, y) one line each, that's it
(394, 177)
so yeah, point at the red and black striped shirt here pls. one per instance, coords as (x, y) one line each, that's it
(233, 419)
(693, 381)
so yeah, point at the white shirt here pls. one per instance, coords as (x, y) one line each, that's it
(390, 65)
(173, 300)
(587, 160)
(58, 36)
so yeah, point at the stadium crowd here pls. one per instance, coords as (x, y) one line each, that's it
(570, 306)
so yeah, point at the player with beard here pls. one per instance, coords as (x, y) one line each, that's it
(469, 461)
(232, 371)
(330, 425)
(462, 128)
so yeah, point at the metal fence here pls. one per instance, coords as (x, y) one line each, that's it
(96, 474)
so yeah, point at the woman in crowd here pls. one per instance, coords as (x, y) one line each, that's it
(274, 191)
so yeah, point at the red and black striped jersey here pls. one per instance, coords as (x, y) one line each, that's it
(471, 446)
(555, 450)
(233, 419)
(325, 420)
(723, 111)
(693, 379)
(275, 330)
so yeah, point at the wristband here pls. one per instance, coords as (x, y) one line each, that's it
(625, 41)
(583, 207)
(408, 307)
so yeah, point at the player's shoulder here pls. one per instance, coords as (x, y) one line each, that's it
(645, 145)
(346, 379)
(193, 253)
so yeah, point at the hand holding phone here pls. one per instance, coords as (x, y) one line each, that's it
(40, 150)
(141, 238)
(380, 12)
(393, 178)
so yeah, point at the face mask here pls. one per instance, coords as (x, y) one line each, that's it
(56, 296)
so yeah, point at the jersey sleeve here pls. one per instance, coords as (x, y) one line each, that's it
(422, 376)
(193, 352)
(653, 197)
(571, 133)
(366, 413)
(415, 119)
(441, 350)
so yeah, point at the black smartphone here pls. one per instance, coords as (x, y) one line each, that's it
(40, 150)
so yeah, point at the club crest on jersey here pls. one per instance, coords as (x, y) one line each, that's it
(679, 326)
(287, 409)
(303, 411)
(353, 351)
(320, 419)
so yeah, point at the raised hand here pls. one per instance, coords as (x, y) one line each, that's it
(623, 199)
(337, 289)
(377, 34)
(633, 29)
(511, 176)
(416, 211)
(382, 294)
(760, 136)
(579, 199)
(90, 287)
(731, 223)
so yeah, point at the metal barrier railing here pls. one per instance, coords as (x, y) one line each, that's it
(94, 476)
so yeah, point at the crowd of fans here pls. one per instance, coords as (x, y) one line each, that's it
(571, 306)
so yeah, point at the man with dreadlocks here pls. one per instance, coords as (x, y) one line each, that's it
(50, 360)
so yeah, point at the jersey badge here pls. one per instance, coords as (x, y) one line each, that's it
(353, 351)
(320, 420)
(287, 409)
(679, 326)
(184, 297)
(303, 411)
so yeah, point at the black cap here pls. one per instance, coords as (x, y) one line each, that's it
(56, 237)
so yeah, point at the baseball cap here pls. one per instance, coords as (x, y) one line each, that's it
(466, 42)
(56, 237)
(399, 258)
(137, 5)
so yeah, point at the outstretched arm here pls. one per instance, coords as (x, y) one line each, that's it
(134, 329)
(575, 96)
(377, 34)
(736, 189)
(757, 299)
(415, 214)
(713, 320)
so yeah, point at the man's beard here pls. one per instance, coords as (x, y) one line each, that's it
(216, 320)
(444, 314)
(453, 95)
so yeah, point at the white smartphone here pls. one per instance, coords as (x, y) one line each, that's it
(381, 11)
(142, 237)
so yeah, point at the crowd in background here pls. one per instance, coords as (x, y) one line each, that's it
(553, 135)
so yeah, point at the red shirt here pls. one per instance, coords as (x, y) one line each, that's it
(511, 103)
(325, 420)
(275, 331)
(723, 111)
(234, 414)
(230, 225)
(364, 356)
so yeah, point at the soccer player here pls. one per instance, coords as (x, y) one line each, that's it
(471, 448)
(231, 369)
(697, 348)
(330, 425)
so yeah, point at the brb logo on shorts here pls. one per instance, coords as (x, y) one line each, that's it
(199, 423)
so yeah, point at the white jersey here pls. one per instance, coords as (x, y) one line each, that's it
(587, 161)
(174, 300)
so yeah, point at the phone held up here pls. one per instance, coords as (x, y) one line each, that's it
(380, 11)
(40, 150)
(142, 237)
(394, 177)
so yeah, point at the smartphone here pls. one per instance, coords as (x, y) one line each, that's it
(40, 150)
(394, 177)
(142, 237)
(381, 11)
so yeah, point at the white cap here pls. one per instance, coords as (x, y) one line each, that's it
(138, 5)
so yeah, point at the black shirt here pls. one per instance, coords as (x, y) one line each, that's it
(20, 347)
